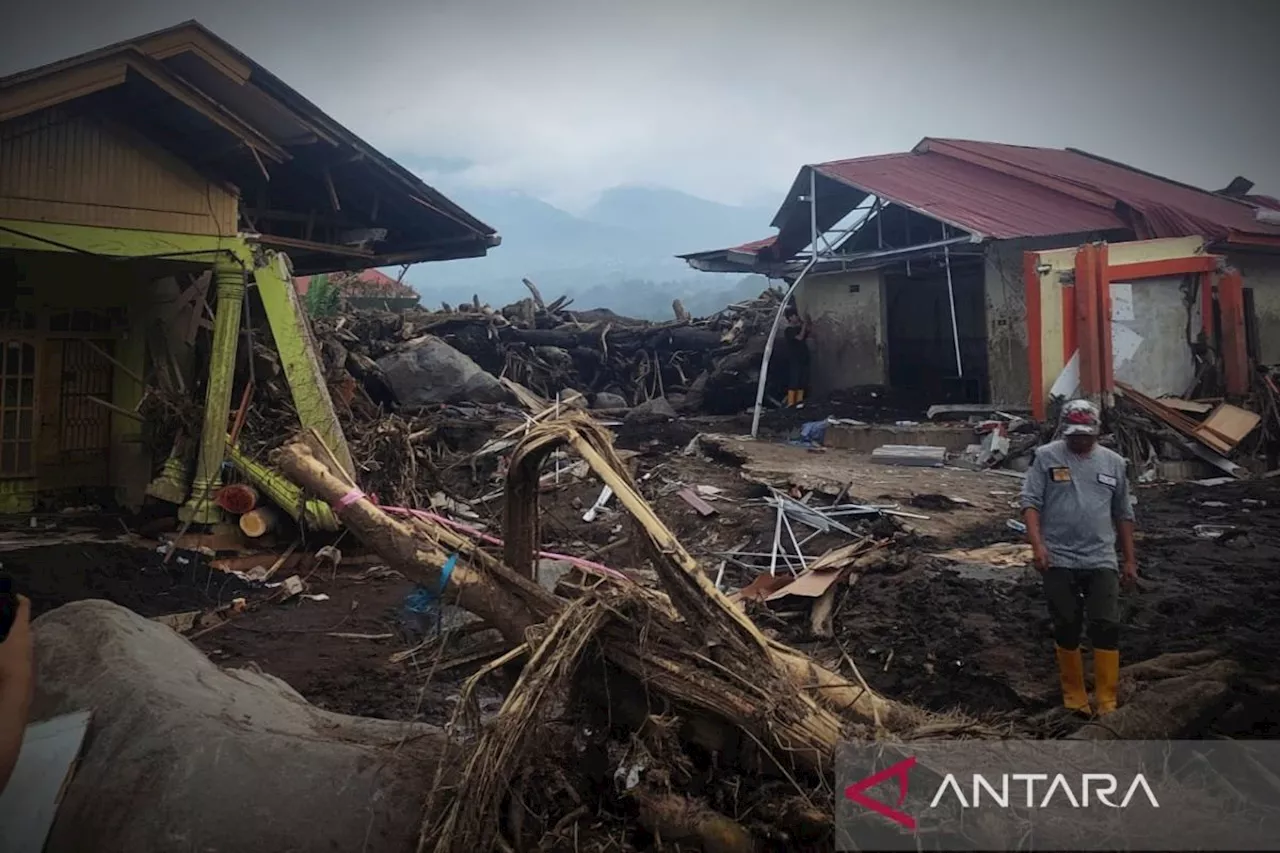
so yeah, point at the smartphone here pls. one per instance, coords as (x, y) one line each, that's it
(8, 607)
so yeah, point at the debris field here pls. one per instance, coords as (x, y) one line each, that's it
(511, 571)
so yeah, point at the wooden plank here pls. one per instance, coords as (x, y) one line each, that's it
(809, 584)
(1178, 421)
(693, 499)
(1231, 423)
(1192, 406)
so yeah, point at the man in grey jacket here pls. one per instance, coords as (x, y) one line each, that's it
(1075, 501)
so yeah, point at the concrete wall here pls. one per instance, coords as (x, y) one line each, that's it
(1053, 292)
(1008, 376)
(1149, 343)
(1008, 369)
(847, 310)
(1261, 273)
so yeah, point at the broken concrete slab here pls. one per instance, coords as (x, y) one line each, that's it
(864, 438)
(910, 455)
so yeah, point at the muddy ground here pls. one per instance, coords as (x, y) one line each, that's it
(926, 633)
(937, 638)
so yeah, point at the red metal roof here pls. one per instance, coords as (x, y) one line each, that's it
(754, 245)
(1266, 201)
(365, 283)
(971, 197)
(1159, 207)
(1006, 191)
(744, 249)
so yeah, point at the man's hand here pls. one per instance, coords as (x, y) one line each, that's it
(15, 651)
(1129, 574)
(16, 686)
(1040, 557)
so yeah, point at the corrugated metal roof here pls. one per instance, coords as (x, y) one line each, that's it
(971, 197)
(743, 249)
(1267, 201)
(1159, 207)
(370, 283)
(1008, 191)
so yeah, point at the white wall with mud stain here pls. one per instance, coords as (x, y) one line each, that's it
(1152, 322)
(1261, 274)
(847, 310)
(1008, 371)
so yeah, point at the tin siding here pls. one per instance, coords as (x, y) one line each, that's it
(56, 167)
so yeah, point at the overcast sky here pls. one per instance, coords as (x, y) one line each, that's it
(564, 98)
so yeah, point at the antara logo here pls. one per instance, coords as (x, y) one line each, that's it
(1038, 790)
(1102, 786)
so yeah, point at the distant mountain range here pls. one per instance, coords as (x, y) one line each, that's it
(618, 254)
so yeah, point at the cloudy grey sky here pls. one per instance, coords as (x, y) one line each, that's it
(728, 98)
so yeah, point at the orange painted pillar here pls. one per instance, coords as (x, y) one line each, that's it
(1086, 315)
(1234, 349)
(1102, 273)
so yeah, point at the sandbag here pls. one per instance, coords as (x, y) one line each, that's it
(183, 755)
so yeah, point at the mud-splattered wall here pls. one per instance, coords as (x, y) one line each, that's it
(1009, 376)
(848, 329)
(1262, 275)
(1151, 320)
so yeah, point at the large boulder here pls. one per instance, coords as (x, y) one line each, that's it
(183, 755)
(426, 371)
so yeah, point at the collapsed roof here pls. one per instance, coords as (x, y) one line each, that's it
(991, 191)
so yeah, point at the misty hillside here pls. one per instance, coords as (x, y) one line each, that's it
(617, 254)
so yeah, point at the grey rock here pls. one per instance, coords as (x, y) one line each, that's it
(607, 400)
(427, 371)
(652, 411)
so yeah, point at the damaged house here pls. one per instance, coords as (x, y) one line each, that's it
(157, 197)
(950, 271)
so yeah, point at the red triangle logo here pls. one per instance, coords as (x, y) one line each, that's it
(854, 793)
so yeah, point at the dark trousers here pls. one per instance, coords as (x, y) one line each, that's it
(797, 366)
(1074, 593)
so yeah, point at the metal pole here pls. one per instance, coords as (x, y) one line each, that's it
(777, 318)
(951, 297)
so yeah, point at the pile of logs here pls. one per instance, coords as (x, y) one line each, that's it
(709, 364)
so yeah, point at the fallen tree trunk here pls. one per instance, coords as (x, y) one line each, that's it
(698, 650)
(1169, 697)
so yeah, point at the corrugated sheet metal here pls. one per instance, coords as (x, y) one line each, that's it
(1162, 207)
(742, 249)
(56, 167)
(971, 197)
(1267, 201)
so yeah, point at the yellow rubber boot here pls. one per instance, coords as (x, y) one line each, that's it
(1106, 674)
(1071, 672)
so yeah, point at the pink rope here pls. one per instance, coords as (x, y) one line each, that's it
(588, 565)
(349, 498)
